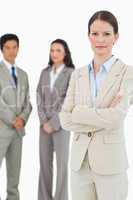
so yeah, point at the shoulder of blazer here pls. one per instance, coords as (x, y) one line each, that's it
(69, 70)
(66, 69)
(44, 70)
(22, 73)
(78, 72)
(2, 65)
(83, 68)
(129, 72)
(130, 69)
(47, 68)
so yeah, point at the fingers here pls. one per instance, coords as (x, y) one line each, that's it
(18, 125)
(47, 128)
(116, 101)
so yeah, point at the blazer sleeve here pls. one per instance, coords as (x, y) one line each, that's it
(55, 120)
(6, 113)
(128, 84)
(129, 89)
(27, 107)
(67, 108)
(107, 118)
(40, 101)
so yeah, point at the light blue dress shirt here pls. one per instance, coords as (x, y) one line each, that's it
(95, 81)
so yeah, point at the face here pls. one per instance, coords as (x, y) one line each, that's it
(57, 53)
(102, 38)
(10, 50)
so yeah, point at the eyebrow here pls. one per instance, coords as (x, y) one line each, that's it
(102, 31)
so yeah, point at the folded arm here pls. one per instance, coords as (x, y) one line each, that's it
(67, 108)
(108, 118)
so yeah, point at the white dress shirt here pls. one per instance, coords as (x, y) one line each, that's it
(54, 75)
(9, 66)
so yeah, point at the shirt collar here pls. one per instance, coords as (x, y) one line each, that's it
(106, 65)
(9, 65)
(59, 69)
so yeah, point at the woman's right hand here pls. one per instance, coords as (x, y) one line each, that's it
(115, 101)
(47, 128)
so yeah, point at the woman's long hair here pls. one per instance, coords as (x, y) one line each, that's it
(67, 59)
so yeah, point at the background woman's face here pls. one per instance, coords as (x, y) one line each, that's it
(57, 53)
(102, 37)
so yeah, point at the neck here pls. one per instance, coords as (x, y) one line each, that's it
(99, 60)
(56, 65)
(12, 62)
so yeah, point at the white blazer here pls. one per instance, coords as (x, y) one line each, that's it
(106, 142)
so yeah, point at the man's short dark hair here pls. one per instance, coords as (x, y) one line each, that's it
(6, 37)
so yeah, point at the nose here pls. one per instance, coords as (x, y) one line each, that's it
(100, 39)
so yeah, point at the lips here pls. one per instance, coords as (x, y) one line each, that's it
(55, 58)
(102, 47)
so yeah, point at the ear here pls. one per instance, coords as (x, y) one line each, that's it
(116, 37)
(88, 34)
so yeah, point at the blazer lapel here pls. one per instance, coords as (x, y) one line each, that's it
(110, 80)
(84, 84)
(20, 84)
(60, 78)
(7, 75)
(47, 84)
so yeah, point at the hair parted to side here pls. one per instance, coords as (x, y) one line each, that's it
(8, 37)
(106, 16)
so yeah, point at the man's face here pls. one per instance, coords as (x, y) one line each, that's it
(10, 51)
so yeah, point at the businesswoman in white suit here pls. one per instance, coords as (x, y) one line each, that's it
(95, 107)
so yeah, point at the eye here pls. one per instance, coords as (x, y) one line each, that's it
(58, 50)
(107, 34)
(94, 33)
(51, 50)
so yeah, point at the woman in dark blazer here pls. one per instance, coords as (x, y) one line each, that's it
(51, 92)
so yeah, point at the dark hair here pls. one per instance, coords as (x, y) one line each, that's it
(104, 16)
(67, 59)
(7, 37)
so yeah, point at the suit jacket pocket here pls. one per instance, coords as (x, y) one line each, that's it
(113, 138)
(78, 150)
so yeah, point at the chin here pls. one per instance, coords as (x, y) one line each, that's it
(11, 60)
(55, 61)
(101, 52)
